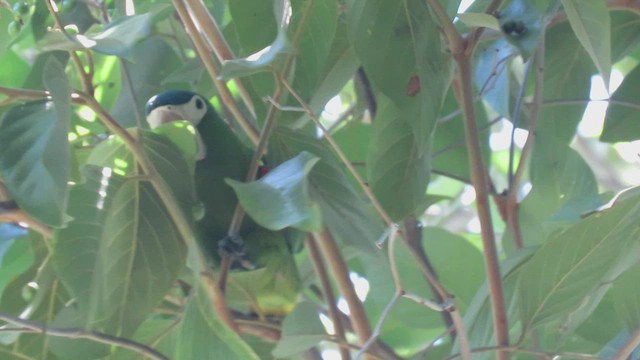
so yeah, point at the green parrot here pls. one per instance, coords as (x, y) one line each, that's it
(271, 288)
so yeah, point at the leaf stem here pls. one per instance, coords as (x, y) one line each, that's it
(77, 333)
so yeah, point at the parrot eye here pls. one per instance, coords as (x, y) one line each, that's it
(199, 104)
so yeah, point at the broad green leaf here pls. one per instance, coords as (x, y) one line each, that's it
(280, 199)
(590, 22)
(577, 263)
(203, 335)
(257, 62)
(523, 22)
(449, 155)
(479, 20)
(253, 23)
(123, 252)
(301, 330)
(116, 260)
(315, 44)
(34, 159)
(626, 297)
(395, 162)
(339, 67)
(151, 60)
(379, 31)
(118, 38)
(343, 210)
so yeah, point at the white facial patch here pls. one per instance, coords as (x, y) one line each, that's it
(192, 111)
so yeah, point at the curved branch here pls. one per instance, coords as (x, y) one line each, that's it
(78, 333)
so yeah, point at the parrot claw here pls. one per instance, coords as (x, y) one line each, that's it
(233, 246)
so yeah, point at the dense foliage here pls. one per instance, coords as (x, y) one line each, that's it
(458, 194)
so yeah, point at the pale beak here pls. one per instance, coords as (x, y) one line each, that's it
(163, 115)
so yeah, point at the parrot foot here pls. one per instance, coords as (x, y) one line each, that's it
(233, 246)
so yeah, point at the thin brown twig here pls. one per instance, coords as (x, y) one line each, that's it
(78, 333)
(340, 272)
(513, 220)
(328, 295)
(87, 82)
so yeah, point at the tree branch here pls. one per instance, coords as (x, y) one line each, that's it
(327, 294)
(77, 333)
(480, 181)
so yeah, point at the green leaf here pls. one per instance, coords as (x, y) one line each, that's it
(119, 37)
(117, 262)
(395, 162)
(257, 62)
(338, 70)
(317, 38)
(203, 335)
(575, 265)
(478, 319)
(590, 22)
(343, 210)
(281, 198)
(301, 330)
(626, 297)
(151, 60)
(479, 20)
(379, 31)
(34, 159)
(122, 253)
(261, 59)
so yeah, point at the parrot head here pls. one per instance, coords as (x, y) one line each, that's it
(176, 105)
